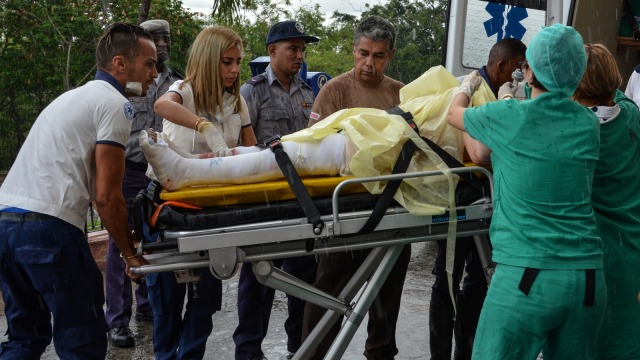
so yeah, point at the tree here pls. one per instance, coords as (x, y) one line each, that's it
(47, 47)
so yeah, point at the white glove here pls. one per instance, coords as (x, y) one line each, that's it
(471, 83)
(507, 91)
(214, 139)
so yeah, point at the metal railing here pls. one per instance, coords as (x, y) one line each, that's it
(93, 220)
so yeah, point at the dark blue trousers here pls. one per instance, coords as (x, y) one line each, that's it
(46, 270)
(254, 308)
(474, 284)
(176, 336)
(117, 284)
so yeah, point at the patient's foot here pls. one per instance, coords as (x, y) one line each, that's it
(164, 161)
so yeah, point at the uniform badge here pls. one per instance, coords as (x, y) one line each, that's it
(314, 116)
(128, 110)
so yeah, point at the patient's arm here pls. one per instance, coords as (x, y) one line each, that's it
(478, 152)
(326, 157)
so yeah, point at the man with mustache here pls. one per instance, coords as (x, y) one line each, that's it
(366, 86)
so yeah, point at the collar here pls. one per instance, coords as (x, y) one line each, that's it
(485, 76)
(105, 76)
(296, 81)
(606, 114)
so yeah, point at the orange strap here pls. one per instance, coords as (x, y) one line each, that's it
(178, 204)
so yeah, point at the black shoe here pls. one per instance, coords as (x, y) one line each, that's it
(144, 315)
(121, 337)
(287, 356)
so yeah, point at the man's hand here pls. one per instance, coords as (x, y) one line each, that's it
(471, 83)
(507, 91)
(135, 261)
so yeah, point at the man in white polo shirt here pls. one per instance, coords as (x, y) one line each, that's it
(74, 154)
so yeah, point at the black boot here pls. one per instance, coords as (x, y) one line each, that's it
(440, 331)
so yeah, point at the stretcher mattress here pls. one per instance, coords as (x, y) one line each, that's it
(236, 205)
(265, 192)
(179, 218)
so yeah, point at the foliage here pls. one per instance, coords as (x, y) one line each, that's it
(47, 47)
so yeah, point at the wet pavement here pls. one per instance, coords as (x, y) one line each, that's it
(412, 332)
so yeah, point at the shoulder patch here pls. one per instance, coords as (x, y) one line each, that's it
(314, 116)
(128, 110)
(256, 79)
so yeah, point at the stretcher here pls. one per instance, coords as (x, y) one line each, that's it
(223, 227)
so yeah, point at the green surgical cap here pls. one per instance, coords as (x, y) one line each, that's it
(557, 57)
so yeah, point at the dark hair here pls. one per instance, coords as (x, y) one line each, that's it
(119, 39)
(506, 49)
(534, 81)
(376, 29)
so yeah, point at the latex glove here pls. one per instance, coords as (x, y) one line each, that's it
(471, 83)
(507, 90)
(214, 139)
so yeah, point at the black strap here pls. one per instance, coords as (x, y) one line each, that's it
(528, 277)
(590, 287)
(401, 166)
(139, 209)
(384, 200)
(470, 177)
(292, 177)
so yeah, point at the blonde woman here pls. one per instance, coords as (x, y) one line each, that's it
(208, 99)
(615, 200)
(203, 113)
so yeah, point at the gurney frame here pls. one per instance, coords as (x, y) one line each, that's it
(223, 249)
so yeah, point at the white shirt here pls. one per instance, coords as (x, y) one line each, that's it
(55, 170)
(633, 86)
(227, 121)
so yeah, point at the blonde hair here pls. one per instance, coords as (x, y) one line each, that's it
(203, 68)
(601, 79)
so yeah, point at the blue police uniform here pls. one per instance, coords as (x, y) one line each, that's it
(273, 111)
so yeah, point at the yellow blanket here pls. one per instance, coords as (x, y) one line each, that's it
(379, 137)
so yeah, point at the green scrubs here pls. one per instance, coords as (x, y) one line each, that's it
(616, 201)
(544, 153)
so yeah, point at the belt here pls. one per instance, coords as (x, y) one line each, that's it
(135, 166)
(24, 217)
(530, 274)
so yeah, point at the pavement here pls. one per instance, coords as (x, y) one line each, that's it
(412, 333)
